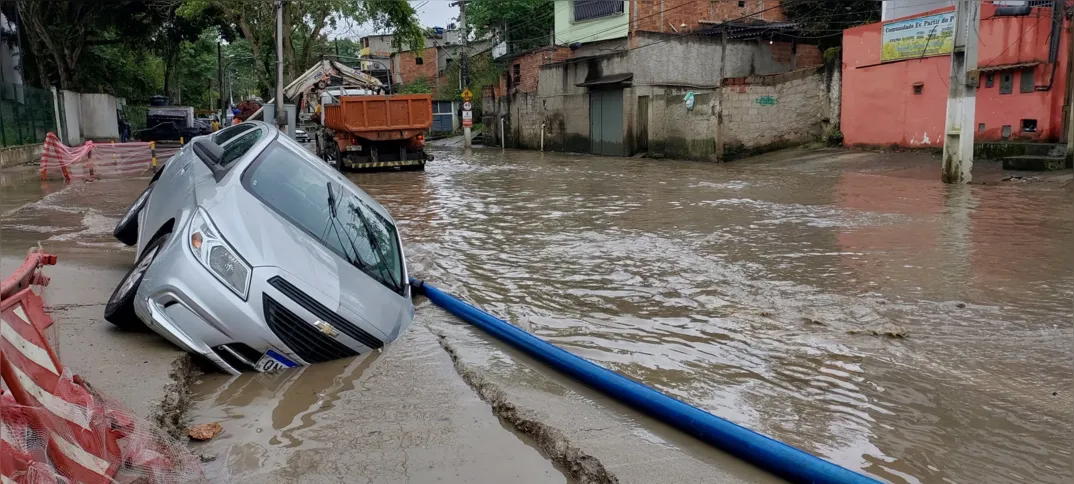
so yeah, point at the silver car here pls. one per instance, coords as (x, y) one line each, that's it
(256, 255)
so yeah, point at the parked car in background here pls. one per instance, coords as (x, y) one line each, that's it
(256, 255)
(301, 136)
(169, 131)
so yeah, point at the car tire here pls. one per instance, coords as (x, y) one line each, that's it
(119, 310)
(126, 230)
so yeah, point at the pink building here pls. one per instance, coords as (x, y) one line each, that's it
(893, 97)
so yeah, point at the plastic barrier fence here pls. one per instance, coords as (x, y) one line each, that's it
(101, 160)
(53, 427)
(765, 452)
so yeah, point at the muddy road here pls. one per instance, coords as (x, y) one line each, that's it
(847, 303)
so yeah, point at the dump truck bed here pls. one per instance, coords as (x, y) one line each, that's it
(394, 117)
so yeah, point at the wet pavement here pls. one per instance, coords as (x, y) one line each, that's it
(844, 302)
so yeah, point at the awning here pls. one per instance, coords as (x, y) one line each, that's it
(1007, 67)
(609, 81)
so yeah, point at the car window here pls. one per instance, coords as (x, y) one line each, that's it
(284, 182)
(235, 149)
(226, 134)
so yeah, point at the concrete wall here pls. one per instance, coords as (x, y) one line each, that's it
(676, 132)
(18, 155)
(880, 106)
(99, 119)
(569, 31)
(72, 109)
(765, 112)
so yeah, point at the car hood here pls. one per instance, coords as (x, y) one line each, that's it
(266, 239)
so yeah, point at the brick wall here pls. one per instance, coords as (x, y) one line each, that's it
(774, 111)
(689, 12)
(409, 70)
(525, 70)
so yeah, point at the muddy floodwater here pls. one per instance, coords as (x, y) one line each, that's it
(846, 303)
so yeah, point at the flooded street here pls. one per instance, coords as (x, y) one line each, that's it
(847, 303)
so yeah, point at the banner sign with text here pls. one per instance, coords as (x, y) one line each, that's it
(918, 37)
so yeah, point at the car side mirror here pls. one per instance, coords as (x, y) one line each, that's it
(210, 153)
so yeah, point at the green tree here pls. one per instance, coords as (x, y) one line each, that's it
(524, 23)
(305, 26)
(825, 20)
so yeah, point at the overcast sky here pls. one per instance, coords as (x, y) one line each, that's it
(432, 13)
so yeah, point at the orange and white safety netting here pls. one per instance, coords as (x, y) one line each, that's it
(97, 160)
(54, 427)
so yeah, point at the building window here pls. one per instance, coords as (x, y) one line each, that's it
(990, 79)
(591, 9)
(1029, 125)
(741, 3)
(1006, 83)
(1027, 80)
(517, 69)
(918, 88)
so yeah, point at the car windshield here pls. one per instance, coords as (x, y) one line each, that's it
(334, 216)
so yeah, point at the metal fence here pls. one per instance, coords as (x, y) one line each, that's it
(27, 114)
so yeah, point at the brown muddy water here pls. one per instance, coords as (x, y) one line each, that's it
(846, 303)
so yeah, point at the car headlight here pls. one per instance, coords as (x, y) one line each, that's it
(210, 248)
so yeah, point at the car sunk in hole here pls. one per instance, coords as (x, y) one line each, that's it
(254, 254)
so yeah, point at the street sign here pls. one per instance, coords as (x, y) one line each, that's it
(467, 95)
(466, 106)
(467, 114)
(499, 50)
(466, 123)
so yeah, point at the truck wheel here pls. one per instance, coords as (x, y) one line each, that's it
(120, 307)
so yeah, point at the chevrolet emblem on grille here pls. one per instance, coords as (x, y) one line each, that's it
(325, 328)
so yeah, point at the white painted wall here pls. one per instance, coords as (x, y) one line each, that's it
(99, 119)
(72, 111)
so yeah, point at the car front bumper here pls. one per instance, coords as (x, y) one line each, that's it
(183, 302)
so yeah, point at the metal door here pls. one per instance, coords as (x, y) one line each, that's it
(606, 123)
(443, 119)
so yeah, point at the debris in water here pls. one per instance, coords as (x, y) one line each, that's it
(812, 321)
(207, 457)
(889, 331)
(961, 305)
(766, 313)
(205, 431)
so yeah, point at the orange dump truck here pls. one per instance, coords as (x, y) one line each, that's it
(363, 131)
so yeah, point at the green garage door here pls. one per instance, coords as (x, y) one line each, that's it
(606, 123)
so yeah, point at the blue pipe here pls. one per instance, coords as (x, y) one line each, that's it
(769, 454)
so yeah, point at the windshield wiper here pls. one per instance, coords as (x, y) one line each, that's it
(376, 246)
(385, 275)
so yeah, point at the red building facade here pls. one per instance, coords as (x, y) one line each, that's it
(904, 102)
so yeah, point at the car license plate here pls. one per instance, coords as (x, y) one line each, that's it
(272, 361)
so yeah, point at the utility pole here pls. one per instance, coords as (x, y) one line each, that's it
(220, 78)
(281, 116)
(962, 95)
(464, 65)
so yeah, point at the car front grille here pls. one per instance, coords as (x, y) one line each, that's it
(305, 340)
(325, 314)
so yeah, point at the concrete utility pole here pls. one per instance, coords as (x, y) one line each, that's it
(281, 116)
(220, 79)
(962, 95)
(464, 66)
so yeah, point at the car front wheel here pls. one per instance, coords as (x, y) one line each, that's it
(120, 307)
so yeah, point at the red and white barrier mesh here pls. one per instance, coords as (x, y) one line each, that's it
(100, 160)
(54, 428)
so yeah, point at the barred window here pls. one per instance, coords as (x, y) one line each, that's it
(591, 9)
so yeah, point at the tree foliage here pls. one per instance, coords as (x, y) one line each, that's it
(524, 23)
(825, 20)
